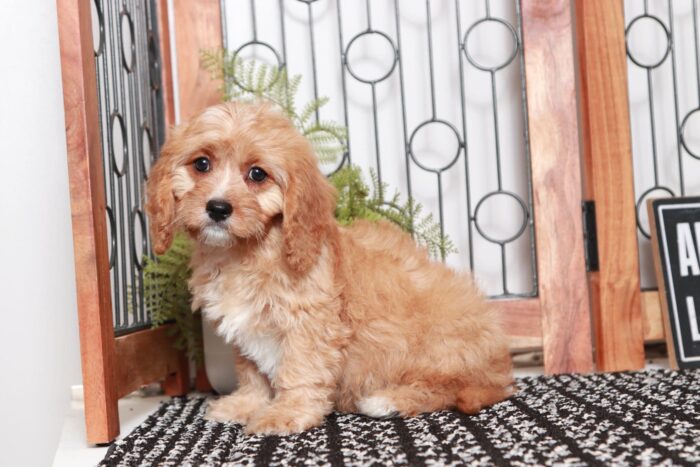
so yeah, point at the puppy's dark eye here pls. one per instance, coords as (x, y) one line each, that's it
(202, 164)
(257, 174)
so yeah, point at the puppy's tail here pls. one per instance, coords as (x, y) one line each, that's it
(472, 399)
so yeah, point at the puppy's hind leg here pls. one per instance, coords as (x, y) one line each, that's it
(472, 399)
(407, 400)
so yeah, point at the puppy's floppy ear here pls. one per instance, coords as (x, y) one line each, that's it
(160, 202)
(309, 203)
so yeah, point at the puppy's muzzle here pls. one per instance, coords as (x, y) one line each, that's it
(219, 210)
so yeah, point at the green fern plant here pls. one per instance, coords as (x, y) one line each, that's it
(167, 296)
(357, 200)
(248, 79)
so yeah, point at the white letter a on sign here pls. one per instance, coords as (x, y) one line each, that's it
(688, 257)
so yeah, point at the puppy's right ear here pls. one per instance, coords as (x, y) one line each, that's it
(160, 202)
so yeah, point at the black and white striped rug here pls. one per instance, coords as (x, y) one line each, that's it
(643, 418)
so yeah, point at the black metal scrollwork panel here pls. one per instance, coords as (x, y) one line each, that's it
(432, 93)
(125, 39)
(663, 52)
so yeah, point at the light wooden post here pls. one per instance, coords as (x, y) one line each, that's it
(556, 178)
(87, 193)
(619, 331)
(197, 28)
(112, 366)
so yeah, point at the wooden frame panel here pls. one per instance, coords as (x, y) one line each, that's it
(556, 179)
(87, 193)
(617, 310)
(112, 367)
(197, 28)
(522, 321)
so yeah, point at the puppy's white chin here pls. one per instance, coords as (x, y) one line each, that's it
(216, 236)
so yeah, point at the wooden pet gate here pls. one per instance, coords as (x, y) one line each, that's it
(120, 89)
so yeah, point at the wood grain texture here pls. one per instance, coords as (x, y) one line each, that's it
(197, 28)
(652, 318)
(147, 356)
(663, 299)
(166, 63)
(556, 179)
(97, 350)
(618, 323)
(522, 321)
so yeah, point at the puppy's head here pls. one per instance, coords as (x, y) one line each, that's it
(232, 170)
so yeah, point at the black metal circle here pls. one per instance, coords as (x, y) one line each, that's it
(99, 17)
(128, 59)
(521, 229)
(668, 41)
(694, 155)
(513, 54)
(136, 214)
(112, 236)
(147, 142)
(117, 118)
(354, 73)
(252, 43)
(154, 62)
(412, 153)
(642, 205)
(345, 158)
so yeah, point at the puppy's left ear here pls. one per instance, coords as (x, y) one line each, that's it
(160, 202)
(309, 203)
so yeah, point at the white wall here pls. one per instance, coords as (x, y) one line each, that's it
(39, 356)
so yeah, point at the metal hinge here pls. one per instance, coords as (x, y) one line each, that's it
(590, 238)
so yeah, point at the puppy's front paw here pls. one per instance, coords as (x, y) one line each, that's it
(237, 408)
(278, 422)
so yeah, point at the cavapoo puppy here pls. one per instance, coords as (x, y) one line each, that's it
(323, 317)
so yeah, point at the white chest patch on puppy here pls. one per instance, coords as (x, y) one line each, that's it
(239, 327)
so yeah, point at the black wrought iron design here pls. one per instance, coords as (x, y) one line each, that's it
(125, 39)
(393, 73)
(661, 152)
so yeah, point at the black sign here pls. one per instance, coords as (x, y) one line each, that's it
(676, 238)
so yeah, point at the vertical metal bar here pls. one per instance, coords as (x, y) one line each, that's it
(430, 58)
(115, 41)
(343, 72)
(440, 210)
(399, 57)
(283, 33)
(470, 226)
(675, 98)
(224, 26)
(376, 139)
(313, 57)
(494, 99)
(697, 46)
(253, 20)
(504, 275)
(369, 15)
(104, 88)
(650, 91)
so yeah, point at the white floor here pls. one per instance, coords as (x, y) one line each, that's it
(74, 452)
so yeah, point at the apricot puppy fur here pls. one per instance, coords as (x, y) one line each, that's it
(323, 317)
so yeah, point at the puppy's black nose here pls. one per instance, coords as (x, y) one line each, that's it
(219, 210)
